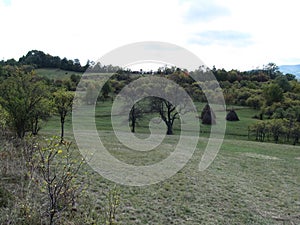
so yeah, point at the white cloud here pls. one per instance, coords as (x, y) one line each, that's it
(203, 11)
(222, 37)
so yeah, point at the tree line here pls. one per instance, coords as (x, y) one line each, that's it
(274, 95)
(277, 130)
(38, 59)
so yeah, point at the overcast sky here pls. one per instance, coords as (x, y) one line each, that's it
(239, 34)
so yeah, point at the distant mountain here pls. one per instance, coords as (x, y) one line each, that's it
(292, 69)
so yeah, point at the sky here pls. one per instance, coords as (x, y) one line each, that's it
(230, 34)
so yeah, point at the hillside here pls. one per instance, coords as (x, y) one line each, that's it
(56, 73)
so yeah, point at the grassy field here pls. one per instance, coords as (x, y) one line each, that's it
(248, 182)
(55, 73)
(234, 130)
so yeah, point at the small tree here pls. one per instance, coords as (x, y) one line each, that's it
(136, 113)
(277, 128)
(259, 129)
(42, 112)
(171, 103)
(63, 102)
(113, 202)
(106, 89)
(132, 105)
(167, 112)
(55, 171)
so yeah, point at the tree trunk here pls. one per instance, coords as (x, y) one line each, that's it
(20, 134)
(133, 119)
(169, 128)
(51, 219)
(133, 126)
(62, 121)
(296, 140)
(35, 126)
(21, 130)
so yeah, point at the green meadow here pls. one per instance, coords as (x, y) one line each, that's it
(247, 183)
(56, 73)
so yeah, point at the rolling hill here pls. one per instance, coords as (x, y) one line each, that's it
(292, 69)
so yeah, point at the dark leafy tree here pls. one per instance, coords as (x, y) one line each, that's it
(273, 93)
(22, 95)
(11, 62)
(290, 77)
(295, 133)
(283, 83)
(41, 60)
(272, 70)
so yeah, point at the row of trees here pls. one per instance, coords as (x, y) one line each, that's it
(39, 59)
(277, 130)
(242, 91)
(268, 72)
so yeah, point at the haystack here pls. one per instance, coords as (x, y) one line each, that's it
(232, 116)
(208, 116)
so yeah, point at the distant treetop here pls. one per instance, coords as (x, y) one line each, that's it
(41, 60)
